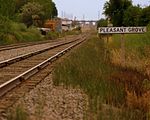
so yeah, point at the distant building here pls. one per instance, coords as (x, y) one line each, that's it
(66, 24)
(59, 24)
(54, 24)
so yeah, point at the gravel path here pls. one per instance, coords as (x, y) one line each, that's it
(49, 102)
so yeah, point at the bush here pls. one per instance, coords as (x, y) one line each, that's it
(52, 35)
(18, 27)
(14, 32)
(5, 24)
(102, 23)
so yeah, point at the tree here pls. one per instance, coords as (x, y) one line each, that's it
(32, 13)
(132, 16)
(48, 8)
(115, 9)
(102, 23)
(19, 4)
(54, 10)
(7, 8)
(145, 16)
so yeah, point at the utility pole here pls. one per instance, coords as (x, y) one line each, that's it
(83, 16)
(62, 14)
(98, 15)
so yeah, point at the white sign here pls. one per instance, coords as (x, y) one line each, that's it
(115, 30)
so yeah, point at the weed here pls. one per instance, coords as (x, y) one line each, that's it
(18, 114)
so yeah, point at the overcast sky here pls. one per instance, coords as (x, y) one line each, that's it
(86, 9)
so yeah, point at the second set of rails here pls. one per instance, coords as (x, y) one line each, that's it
(20, 45)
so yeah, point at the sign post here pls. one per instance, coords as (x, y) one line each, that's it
(122, 31)
(123, 49)
(109, 36)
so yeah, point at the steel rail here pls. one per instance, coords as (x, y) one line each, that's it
(7, 86)
(20, 45)
(24, 56)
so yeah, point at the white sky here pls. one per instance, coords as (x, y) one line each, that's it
(86, 9)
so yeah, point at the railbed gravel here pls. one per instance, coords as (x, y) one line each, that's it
(49, 102)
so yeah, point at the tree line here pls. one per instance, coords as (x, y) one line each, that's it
(29, 12)
(124, 13)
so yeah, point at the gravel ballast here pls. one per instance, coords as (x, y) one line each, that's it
(49, 102)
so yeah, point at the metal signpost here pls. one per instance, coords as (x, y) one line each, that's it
(122, 31)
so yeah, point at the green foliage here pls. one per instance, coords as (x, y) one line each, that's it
(4, 24)
(19, 27)
(132, 16)
(137, 16)
(26, 12)
(29, 12)
(32, 14)
(54, 10)
(7, 8)
(48, 7)
(145, 17)
(16, 32)
(102, 23)
(134, 41)
(115, 9)
(52, 35)
(19, 4)
(5, 27)
(123, 13)
(35, 12)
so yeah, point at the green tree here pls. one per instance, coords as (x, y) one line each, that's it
(54, 10)
(48, 8)
(7, 8)
(115, 9)
(32, 14)
(102, 23)
(19, 4)
(145, 16)
(132, 16)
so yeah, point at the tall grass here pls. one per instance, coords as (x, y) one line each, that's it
(137, 51)
(137, 58)
(86, 68)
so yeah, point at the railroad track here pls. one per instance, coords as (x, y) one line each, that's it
(19, 77)
(29, 54)
(21, 45)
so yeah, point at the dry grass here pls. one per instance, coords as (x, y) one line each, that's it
(137, 60)
(110, 88)
(132, 61)
(138, 102)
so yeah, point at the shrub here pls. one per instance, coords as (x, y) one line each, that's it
(14, 32)
(52, 35)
